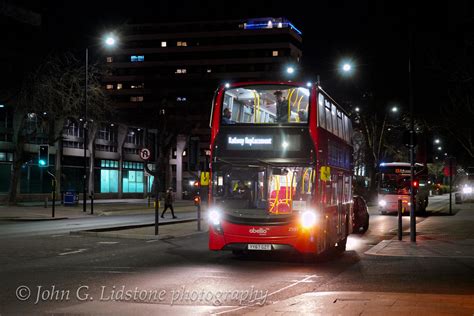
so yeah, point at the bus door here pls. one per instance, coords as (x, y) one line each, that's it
(339, 190)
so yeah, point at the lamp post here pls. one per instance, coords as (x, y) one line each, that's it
(109, 41)
(412, 142)
(85, 184)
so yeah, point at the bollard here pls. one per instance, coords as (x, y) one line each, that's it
(45, 202)
(92, 202)
(199, 217)
(156, 213)
(54, 198)
(400, 226)
(197, 202)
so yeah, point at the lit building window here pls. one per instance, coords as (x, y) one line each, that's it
(137, 86)
(109, 86)
(180, 71)
(275, 53)
(138, 58)
(181, 99)
(136, 98)
(110, 59)
(119, 86)
(163, 44)
(181, 44)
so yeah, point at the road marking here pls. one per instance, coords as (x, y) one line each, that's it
(72, 252)
(107, 242)
(152, 240)
(54, 236)
(305, 280)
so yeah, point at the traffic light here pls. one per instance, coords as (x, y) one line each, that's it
(43, 156)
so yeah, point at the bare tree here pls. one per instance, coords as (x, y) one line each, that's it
(457, 114)
(46, 98)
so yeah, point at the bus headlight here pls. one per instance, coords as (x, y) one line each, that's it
(308, 219)
(467, 190)
(382, 203)
(215, 217)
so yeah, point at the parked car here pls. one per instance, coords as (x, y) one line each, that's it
(360, 221)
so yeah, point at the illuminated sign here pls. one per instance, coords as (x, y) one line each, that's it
(404, 171)
(250, 142)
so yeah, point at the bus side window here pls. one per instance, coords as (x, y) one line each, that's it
(334, 191)
(347, 189)
(322, 118)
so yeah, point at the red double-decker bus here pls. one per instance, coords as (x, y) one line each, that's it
(281, 175)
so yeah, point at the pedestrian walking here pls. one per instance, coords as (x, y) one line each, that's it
(168, 202)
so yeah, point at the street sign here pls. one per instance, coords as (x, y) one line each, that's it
(204, 178)
(145, 154)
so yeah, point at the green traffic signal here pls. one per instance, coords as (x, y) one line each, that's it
(43, 156)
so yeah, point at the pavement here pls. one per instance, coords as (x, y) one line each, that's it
(184, 225)
(439, 235)
(370, 303)
(37, 212)
(169, 230)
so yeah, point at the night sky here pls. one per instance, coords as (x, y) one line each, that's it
(374, 34)
(371, 33)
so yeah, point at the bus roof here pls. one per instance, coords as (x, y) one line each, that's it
(399, 164)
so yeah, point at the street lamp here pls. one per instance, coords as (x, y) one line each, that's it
(394, 109)
(346, 67)
(290, 70)
(437, 141)
(109, 41)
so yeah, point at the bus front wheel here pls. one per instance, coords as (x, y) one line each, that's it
(341, 245)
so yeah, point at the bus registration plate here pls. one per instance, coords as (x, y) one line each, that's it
(260, 247)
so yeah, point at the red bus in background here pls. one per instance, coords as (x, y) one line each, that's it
(281, 169)
(394, 183)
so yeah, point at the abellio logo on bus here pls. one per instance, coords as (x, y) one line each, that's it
(260, 230)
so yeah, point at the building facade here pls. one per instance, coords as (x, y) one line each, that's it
(176, 67)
